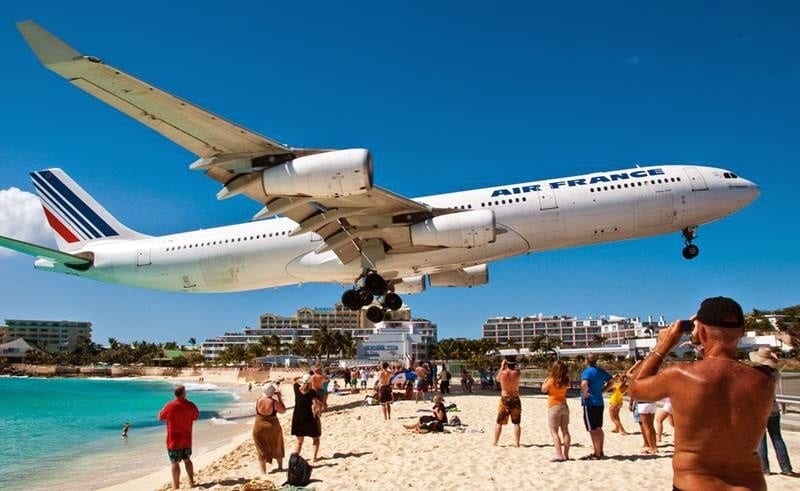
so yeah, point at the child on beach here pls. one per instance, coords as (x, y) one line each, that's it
(618, 389)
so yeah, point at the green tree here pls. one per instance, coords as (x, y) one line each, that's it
(324, 342)
(234, 353)
(192, 342)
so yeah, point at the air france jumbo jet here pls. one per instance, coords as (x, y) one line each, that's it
(330, 223)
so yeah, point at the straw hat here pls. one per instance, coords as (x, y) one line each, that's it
(306, 379)
(764, 356)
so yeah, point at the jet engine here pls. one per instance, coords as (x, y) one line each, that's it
(328, 175)
(468, 229)
(469, 277)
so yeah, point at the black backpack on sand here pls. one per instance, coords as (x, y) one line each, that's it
(299, 471)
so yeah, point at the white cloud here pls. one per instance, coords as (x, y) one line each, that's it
(21, 217)
(632, 60)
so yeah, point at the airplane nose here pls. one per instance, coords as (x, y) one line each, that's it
(755, 190)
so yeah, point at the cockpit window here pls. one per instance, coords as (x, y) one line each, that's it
(729, 175)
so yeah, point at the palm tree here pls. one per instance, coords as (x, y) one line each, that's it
(323, 341)
(113, 343)
(193, 342)
(276, 343)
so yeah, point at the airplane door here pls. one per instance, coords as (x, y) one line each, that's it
(547, 199)
(696, 178)
(143, 257)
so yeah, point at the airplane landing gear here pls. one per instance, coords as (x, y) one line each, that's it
(373, 285)
(690, 251)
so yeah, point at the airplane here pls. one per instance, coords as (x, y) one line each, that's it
(324, 220)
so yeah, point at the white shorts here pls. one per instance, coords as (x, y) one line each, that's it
(667, 407)
(646, 407)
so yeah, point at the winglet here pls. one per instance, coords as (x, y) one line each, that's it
(49, 49)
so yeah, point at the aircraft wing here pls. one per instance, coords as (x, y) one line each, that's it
(75, 261)
(232, 154)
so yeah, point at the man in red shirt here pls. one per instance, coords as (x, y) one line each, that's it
(180, 415)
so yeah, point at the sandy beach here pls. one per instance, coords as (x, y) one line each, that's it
(361, 451)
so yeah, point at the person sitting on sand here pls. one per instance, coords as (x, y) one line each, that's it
(555, 386)
(722, 405)
(267, 433)
(433, 423)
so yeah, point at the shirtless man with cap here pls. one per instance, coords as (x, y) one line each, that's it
(720, 406)
(510, 405)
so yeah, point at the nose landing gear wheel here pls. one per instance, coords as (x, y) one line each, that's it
(375, 314)
(690, 251)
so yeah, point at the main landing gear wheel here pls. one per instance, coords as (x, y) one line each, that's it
(356, 298)
(375, 284)
(392, 301)
(375, 314)
(689, 234)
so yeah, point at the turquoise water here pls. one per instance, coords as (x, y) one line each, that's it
(57, 427)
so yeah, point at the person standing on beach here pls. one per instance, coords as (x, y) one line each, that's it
(618, 389)
(510, 406)
(766, 358)
(385, 390)
(593, 382)
(318, 383)
(125, 429)
(721, 406)
(267, 433)
(555, 386)
(180, 414)
(306, 414)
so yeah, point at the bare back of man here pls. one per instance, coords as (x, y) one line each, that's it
(719, 405)
(509, 382)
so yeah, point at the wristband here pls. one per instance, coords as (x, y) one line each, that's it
(659, 355)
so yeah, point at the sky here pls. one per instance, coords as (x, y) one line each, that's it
(447, 96)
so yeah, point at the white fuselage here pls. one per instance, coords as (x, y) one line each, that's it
(533, 216)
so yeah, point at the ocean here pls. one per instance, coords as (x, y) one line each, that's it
(66, 433)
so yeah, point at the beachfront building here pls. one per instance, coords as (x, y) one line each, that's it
(306, 321)
(51, 336)
(15, 351)
(568, 331)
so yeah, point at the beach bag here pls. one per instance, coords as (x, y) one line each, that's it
(299, 471)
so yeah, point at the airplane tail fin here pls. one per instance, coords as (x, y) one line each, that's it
(75, 217)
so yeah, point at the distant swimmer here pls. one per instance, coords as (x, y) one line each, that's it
(125, 430)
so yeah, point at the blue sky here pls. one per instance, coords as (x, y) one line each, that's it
(447, 96)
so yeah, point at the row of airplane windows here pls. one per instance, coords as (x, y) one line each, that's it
(633, 185)
(496, 203)
(226, 241)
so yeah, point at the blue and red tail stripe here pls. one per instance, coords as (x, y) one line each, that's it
(68, 214)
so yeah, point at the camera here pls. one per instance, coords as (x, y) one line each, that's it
(686, 326)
